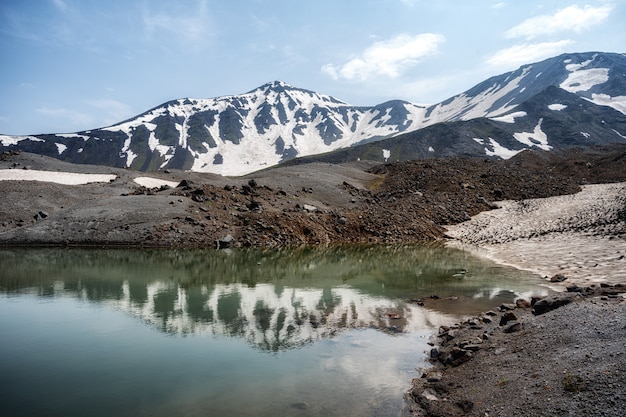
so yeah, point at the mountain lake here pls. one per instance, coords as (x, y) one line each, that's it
(284, 332)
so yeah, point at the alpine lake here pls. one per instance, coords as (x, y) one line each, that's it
(335, 331)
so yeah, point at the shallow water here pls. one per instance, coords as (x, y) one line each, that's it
(306, 332)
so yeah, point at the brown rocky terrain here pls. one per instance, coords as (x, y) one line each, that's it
(307, 204)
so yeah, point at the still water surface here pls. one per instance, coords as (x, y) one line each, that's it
(305, 332)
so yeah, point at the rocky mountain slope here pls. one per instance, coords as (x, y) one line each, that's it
(572, 99)
(552, 119)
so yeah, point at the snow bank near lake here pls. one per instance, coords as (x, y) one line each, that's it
(581, 236)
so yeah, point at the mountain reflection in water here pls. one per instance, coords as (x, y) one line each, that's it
(273, 299)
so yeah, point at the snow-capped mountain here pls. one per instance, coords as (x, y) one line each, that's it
(230, 135)
(551, 120)
(236, 135)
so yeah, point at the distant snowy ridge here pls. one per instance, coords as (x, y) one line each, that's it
(239, 134)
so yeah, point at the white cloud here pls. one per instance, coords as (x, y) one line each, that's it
(572, 18)
(528, 52)
(498, 5)
(388, 58)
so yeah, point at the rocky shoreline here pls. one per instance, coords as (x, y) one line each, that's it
(560, 355)
(563, 355)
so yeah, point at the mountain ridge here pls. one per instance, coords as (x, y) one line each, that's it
(277, 122)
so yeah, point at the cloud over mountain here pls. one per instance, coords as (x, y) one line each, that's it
(387, 58)
(572, 18)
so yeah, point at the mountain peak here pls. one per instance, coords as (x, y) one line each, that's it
(275, 86)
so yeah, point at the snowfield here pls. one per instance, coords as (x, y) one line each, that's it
(66, 178)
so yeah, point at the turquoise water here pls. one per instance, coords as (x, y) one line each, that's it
(306, 332)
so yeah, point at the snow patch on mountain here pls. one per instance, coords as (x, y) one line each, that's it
(73, 135)
(536, 138)
(575, 67)
(61, 148)
(493, 148)
(584, 80)
(557, 107)
(14, 140)
(499, 150)
(618, 102)
(464, 107)
(580, 79)
(509, 118)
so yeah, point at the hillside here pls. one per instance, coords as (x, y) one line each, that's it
(283, 206)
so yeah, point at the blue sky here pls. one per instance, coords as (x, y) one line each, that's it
(70, 65)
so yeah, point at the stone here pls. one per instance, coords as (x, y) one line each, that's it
(309, 208)
(574, 288)
(507, 317)
(522, 303)
(550, 303)
(184, 184)
(558, 278)
(515, 327)
(507, 307)
(41, 215)
(430, 395)
(225, 242)
(472, 348)
(447, 336)
(458, 356)
(434, 353)
(434, 376)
